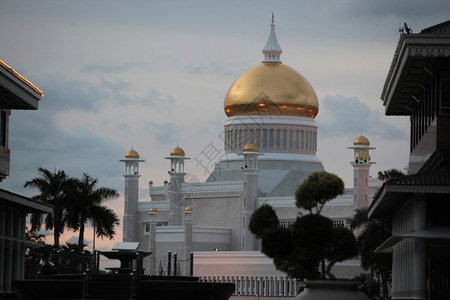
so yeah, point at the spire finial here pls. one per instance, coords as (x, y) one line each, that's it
(272, 49)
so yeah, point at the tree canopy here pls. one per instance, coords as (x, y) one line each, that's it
(75, 203)
(318, 189)
(373, 233)
(86, 205)
(299, 249)
(53, 187)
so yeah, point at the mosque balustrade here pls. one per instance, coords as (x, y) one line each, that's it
(262, 286)
(274, 138)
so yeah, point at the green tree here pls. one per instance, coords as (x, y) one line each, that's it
(318, 189)
(86, 205)
(264, 218)
(53, 187)
(300, 249)
(391, 173)
(374, 233)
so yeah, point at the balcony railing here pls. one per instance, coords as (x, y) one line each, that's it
(261, 286)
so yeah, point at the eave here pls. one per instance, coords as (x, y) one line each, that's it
(16, 92)
(411, 65)
(30, 205)
(395, 192)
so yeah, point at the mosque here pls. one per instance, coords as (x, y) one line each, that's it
(270, 143)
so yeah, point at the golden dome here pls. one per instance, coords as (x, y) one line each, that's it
(271, 89)
(132, 154)
(153, 210)
(177, 151)
(189, 209)
(250, 147)
(361, 141)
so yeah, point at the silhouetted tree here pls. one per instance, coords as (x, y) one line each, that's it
(53, 187)
(86, 205)
(300, 249)
(374, 233)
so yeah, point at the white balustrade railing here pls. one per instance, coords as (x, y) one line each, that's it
(259, 285)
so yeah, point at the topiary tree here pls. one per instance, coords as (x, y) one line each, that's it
(317, 190)
(299, 250)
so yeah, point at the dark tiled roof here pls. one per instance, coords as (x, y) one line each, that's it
(441, 28)
(440, 177)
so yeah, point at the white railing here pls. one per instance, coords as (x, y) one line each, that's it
(259, 285)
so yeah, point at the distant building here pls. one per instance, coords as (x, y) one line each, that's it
(16, 92)
(418, 85)
(270, 143)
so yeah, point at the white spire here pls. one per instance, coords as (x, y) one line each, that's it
(272, 49)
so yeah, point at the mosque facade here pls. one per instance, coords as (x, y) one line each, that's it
(270, 143)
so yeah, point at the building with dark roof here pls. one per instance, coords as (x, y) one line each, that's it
(16, 92)
(418, 86)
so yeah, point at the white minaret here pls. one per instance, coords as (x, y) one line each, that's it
(131, 194)
(249, 197)
(177, 158)
(361, 164)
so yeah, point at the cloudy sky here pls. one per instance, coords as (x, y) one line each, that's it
(151, 74)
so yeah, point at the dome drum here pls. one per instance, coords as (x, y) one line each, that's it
(271, 138)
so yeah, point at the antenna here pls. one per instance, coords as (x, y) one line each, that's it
(405, 29)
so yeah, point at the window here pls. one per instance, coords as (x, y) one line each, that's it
(444, 108)
(146, 228)
(3, 120)
(338, 223)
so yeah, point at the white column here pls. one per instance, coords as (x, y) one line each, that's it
(187, 241)
(151, 243)
(2, 246)
(419, 248)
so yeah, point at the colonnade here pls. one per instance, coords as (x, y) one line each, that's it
(285, 139)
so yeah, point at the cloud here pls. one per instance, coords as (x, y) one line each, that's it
(63, 93)
(165, 133)
(214, 67)
(348, 116)
(98, 68)
(414, 10)
(37, 141)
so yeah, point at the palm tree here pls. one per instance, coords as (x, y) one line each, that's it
(373, 234)
(87, 206)
(53, 190)
(391, 173)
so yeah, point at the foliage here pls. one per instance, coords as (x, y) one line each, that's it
(317, 189)
(373, 233)
(44, 260)
(53, 189)
(86, 205)
(300, 249)
(391, 173)
(263, 219)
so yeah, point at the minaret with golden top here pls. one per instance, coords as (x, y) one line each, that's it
(361, 165)
(131, 195)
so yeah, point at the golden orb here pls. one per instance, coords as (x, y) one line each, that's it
(250, 147)
(132, 154)
(177, 151)
(361, 141)
(153, 210)
(271, 89)
(189, 209)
